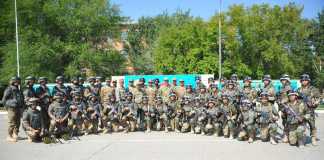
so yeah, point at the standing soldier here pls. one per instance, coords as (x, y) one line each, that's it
(99, 82)
(283, 99)
(165, 90)
(203, 94)
(210, 82)
(29, 91)
(214, 92)
(60, 87)
(267, 115)
(13, 100)
(33, 122)
(199, 84)
(78, 111)
(247, 91)
(235, 80)
(106, 90)
(231, 90)
(230, 114)
(121, 91)
(268, 88)
(181, 89)
(189, 92)
(138, 93)
(157, 83)
(214, 118)
(151, 92)
(92, 89)
(75, 87)
(174, 84)
(43, 94)
(131, 86)
(311, 98)
(295, 113)
(247, 121)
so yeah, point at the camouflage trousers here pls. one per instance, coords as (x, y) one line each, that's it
(229, 128)
(91, 126)
(163, 122)
(128, 123)
(14, 115)
(247, 132)
(34, 136)
(268, 130)
(58, 128)
(76, 125)
(110, 123)
(296, 133)
(311, 122)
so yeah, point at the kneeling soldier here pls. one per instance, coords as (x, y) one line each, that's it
(33, 123)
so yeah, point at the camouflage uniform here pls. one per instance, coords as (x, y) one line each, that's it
(129, 116)
(109, 115)
(77, 113)
(13, 100)
(295, 112)
(215, 118)
(43, 94)
(149, 113)
(29, 91)
(188, 116)
(268, 88)
(93, 115)
(230, 114)
(58, 111)
(311, 98)
(174, 105)
(200, 116)
(247, 91)
(164, 114)
(33, 122)
(247, 122)
(151, 92)
(92, 89)
(164, 92)
(267, 117)
(105, 91)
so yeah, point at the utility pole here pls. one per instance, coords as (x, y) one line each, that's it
(17, 40)
(219, 42)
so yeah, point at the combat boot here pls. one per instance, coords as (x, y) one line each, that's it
(273, 141)
(15, 136)
(10, 139)
(231, 136)
(314, 141)
(301, 143)
(285, 139)
(166, 130)
(250, 140)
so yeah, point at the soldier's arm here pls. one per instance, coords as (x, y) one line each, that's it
(50, 112)
(6, 95)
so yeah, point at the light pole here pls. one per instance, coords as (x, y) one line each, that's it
(17, 45)
(219, 42)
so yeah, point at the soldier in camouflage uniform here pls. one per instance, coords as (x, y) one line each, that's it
(231, 90)
(247, 122)
(283, 99)
(58, 111)
(180, 90)
(173, 104)
(131, 86)
(200, 116)
(269, 88)
(295, 112)
(247, 91)
(149, 113)
(77, 113)
(188, 116)
(43, 93)
(138, 93)
(121, 91)
(214, 92)
(29, 91)
(129, 114)
(165, 90)
(267, 115)
(199, 84)
(92, 89)
(60, 87)
(151, 92)
(109, 115)
(76, 87)
(93, 115)
(164, 114)
(311, 98)
(189, 92)
(215, 118)
(230, 114)
(203, 94)
(33, 122)
(106, 90)
(235, 80)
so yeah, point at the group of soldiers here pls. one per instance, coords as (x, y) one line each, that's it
(244, 113)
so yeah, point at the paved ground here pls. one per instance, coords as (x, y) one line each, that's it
(155, 146)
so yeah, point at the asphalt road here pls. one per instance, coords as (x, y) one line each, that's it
(155, 146)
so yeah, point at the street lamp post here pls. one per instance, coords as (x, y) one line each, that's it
(17, 41)
(219, 42)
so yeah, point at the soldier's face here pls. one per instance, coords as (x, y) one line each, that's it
(225, 100)
(181, 83)
(292, 98)
(264, 99)
(283, 81)
(211, 105)
(305, 83)
(247, 83)
(172, 98)
(266, 82)
(230, 86)
(214, 89)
